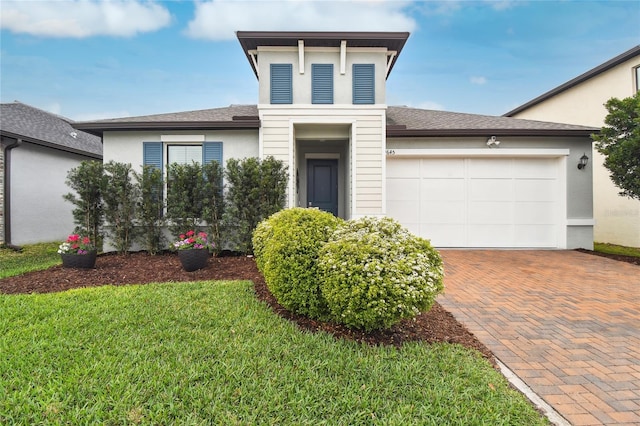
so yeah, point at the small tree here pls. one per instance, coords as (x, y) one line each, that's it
(120, 196)
(87, 180)
(213, 203)
(619, 142)
(256, 189)
(185, 197)
(150, 208)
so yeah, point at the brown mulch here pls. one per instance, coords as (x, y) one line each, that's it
(437, 325)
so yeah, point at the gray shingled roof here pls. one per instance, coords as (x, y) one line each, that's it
(401, 121)
(18, 120)
(203, 115)
(405, 121)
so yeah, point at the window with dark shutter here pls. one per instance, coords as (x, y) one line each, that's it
(364, 84)
(322, 83)
(212, 151)
(281, 84)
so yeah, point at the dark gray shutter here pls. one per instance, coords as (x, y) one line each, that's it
(364, 84)
(281, 84)
(152, 154)
(212, 151)
(321, 83)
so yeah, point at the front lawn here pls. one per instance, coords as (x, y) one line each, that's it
(33, 257)
(617, 250)
(209, 353)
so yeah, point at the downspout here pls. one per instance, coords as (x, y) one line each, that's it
(7, 190)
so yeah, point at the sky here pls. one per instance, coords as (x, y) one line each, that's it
(95, 59)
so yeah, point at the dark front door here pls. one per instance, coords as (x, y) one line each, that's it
(322, 185)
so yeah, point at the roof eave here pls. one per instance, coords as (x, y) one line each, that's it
(50, 145)
(98, 128)
(404, 133)
(635, 51)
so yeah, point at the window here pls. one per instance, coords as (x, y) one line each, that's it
(281, 84)
(321, 83)
(364, 84)
(637, 72)
(183, 154)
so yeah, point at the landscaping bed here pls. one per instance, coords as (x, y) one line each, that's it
(437, 325)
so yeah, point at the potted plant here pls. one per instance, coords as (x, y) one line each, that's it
(78, 252)
(193, 250)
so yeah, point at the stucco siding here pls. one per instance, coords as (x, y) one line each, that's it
(38, 211)
(617, 218)
(126, 147)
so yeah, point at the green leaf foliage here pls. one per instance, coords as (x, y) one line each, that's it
(619, 142)
(256, 190)
(87, 181)
(213, 207)
(374, 273)
(149, 211)
(120, 196)
(185, 199)
(286, 246)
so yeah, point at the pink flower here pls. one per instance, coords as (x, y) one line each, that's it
(190, 233)
(182, 236)
(86, 240)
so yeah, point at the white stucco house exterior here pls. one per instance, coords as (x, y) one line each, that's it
(581, 101)
(37, 150)
(461, 180)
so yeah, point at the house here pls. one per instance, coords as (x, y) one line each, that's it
(581, 101)
(461, 180)
(37, 150)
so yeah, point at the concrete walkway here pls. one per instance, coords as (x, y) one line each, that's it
(566, 323)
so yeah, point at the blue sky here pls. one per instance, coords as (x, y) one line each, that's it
(91, 59)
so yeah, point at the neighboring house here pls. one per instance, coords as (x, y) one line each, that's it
(322, 111)
(37, 150)
(581, 101)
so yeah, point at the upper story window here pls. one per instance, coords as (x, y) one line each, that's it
(281, 84)
(364, 84)
(322, 83)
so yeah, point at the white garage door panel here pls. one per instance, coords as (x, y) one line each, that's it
(477, 202)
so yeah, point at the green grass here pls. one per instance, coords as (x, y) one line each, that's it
(210, 353)
(33, 257)
(614, 249)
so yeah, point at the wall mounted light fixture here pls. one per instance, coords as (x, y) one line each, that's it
(583, 161)
(492, 142)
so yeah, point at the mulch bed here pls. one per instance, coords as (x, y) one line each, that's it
(437, 325)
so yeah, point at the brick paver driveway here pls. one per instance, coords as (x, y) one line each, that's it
(565, 322)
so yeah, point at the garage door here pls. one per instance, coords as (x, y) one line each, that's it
(477, 202)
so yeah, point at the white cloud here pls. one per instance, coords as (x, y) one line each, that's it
(83, 18)
(479, 80)
(219, 19)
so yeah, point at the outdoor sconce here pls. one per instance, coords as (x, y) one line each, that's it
(583, 162)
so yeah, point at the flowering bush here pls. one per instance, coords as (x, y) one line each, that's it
(76, 244)
(191, 240)
(374, 273)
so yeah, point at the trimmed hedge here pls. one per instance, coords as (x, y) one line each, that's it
(286, 246)
(375, 273)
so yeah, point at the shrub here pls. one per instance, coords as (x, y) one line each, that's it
(87, 180)
(149, 210)
(212, 209)
(256, 190)
(120, 201)
(375, 273)
(287, 245)
(184, 197)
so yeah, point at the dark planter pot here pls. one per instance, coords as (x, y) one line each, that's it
(79, 261)
(193, 259)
